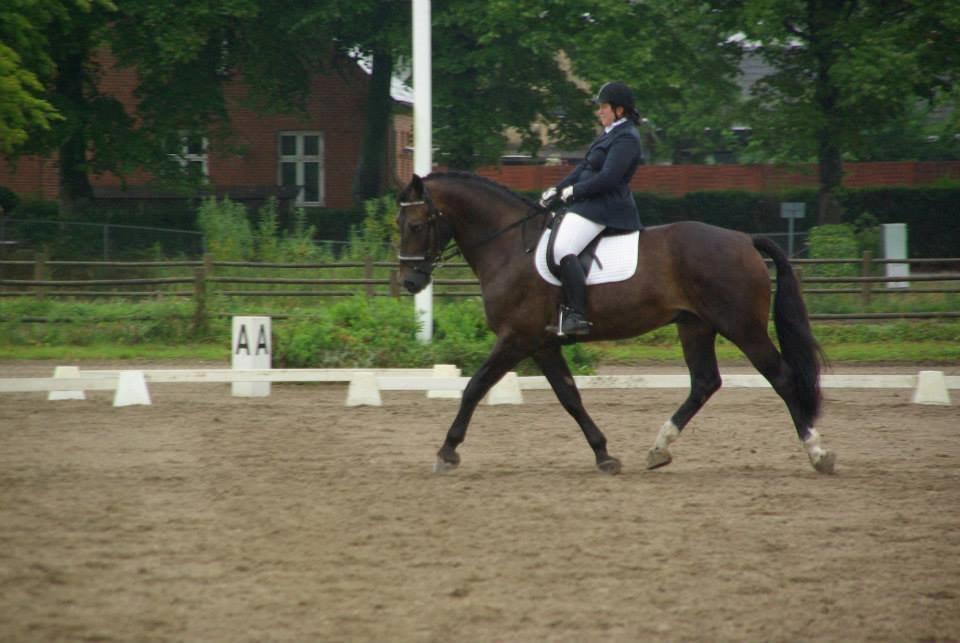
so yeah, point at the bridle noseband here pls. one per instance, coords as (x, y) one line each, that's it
(434, 256)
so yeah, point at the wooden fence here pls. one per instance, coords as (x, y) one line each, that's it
(379, 278)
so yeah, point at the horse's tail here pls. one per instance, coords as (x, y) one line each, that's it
(799, 348)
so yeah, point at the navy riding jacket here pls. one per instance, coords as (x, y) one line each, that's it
(601, 182)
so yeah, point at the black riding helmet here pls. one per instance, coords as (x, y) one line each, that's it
(617, 94)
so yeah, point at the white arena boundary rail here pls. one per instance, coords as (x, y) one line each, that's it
(442, 381)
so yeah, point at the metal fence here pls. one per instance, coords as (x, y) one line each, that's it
(107, 240)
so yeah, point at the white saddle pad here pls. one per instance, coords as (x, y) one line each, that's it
(617, 255)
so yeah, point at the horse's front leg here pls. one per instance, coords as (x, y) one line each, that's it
(551, 361)
(502, 358)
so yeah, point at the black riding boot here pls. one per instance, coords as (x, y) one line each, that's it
(573, 316)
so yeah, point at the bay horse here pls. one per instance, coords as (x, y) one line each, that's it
(705, 279)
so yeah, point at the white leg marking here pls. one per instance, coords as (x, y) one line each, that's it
(821, 459)
(668, 434)
(659, 455)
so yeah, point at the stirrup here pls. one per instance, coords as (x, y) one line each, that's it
(572, 323)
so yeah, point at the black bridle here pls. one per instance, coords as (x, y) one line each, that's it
(436, 256)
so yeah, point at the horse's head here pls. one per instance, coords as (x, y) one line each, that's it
(424, 233)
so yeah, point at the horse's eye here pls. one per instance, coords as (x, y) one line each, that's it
(415, 227)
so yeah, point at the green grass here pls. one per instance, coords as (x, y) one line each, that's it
(205, 352)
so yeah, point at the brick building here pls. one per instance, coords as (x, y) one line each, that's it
(309, 159)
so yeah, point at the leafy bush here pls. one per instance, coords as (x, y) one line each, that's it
(378, 232)
(834, 242)
(355, 333)
(227, 229)
(381, 333)
(8, 200)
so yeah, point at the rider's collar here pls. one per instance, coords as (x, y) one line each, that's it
(608, 129)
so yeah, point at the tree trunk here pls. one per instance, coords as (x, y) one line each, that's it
(823, 16)
(830, 168)
(370, 179)
(75, 189)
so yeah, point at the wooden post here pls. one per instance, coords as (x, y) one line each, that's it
(40, 272)
(368, 273)
(200, 301)
(394, 283)
(866, 270)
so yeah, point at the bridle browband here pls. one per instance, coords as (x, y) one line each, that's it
(438, 256)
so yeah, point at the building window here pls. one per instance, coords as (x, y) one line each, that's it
(301, 164)
(191, 154)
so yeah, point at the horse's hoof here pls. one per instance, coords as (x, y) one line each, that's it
(442, 466)
(610, 466)
(825, 463)
(657, 458)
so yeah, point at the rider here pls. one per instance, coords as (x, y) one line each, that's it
(598, 194)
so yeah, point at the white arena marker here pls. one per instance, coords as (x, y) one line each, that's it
(131, 389)
(66, 371)
(931, 388)
(251, 350)
(363, 390)
(445, 370)
(506, 391)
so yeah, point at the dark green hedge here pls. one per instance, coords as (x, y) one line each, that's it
(932, 214)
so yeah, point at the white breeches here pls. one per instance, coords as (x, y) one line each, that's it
(574, 235)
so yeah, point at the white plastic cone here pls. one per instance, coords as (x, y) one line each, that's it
(506, 391)
(445, 370)
(931, 388)
(363, 390)
(66, 371)
(131, 389)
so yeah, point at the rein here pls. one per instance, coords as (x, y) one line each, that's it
(441, 256)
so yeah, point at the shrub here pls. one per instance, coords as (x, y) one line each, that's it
(381, 333)
(8, 200)
(355, 333)
(227, 229)
(834, 242)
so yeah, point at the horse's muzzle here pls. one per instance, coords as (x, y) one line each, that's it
(415, 281)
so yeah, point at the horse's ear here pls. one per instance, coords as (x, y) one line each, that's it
(416, 184)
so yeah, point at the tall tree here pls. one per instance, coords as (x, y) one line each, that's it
(844, 69)
(24, 62)
(677, 58)
(495, 67)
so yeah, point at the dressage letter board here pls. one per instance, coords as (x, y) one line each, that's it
(251, 350)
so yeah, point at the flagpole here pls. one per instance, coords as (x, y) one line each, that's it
(422, 137)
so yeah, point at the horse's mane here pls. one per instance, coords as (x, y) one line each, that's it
(483, 181)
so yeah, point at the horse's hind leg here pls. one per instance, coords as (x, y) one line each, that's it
(551, 361)
(502, 358)
(698, 339)
(767, 359)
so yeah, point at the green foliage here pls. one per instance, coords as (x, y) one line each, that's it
(78, 323)
(834, 242)
(227, 229)
(8, 200)
(381, 333)
(932, 215)
(266, 234)
(678, 59)
(377, 236)
(358, 333)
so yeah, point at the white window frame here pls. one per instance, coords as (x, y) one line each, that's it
(184, 157)
(300, 158)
